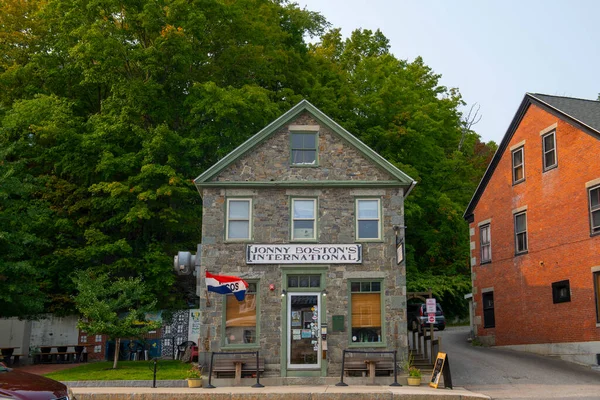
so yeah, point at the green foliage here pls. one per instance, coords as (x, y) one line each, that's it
(109, 109)
(113, 307)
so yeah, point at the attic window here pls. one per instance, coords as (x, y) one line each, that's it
(304, 148)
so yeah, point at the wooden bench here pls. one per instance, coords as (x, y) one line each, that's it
(371, 364)
(59, 357)
(11, 360)
(237, 367)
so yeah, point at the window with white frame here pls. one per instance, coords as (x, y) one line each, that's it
(549, 149)
(304, 148)
(485, 243)
(239, 216)
(521, 232)
(518, 165)
(304, 219)
(368, 219)
(594, 194)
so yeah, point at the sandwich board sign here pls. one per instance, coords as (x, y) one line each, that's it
(441, 367)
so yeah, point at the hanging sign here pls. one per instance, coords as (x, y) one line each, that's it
(304, 254)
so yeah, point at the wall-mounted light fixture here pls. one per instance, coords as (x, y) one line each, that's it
(324, 292)
(283, 293)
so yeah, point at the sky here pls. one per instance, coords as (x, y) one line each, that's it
(492, 51)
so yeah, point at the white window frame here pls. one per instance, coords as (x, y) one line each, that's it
(358, 219)
(594, 229)
(228, 219)
(526, 249)
(314, 219)
(515, 167)
(485, 228)
(546, 151)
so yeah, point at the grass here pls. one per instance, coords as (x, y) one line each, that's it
(126, 370)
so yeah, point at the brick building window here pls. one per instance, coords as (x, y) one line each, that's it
(485, 243)
(518, 165)
(595, 209)
(304, 219)
(597, 291)
(561, 292)
(240, 318)
(304, 148)
(489, 320)
(521, 233)
(239, 215)
(365, 311)
(368, 223)
(549, 149)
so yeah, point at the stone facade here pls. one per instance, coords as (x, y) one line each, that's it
(339, 162)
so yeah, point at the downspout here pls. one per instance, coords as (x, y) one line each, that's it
(410, 188)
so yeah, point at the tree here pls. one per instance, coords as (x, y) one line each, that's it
(116, 308)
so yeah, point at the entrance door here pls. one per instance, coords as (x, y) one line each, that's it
(304, 328)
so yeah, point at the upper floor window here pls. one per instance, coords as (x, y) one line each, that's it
(368, 219)
(304, 213)
(520, 232)
(595, 209)
(518, 165)
(304, 148)
(549, 149)
(485, 243)
(239, 215)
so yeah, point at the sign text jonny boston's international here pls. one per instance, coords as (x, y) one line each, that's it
(304, 254)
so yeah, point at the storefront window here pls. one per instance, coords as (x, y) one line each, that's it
(240, 318)
(366, 311)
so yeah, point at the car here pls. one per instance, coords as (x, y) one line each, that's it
(20, 385)
(416, 317)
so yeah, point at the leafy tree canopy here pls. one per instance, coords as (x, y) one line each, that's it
(108, 109)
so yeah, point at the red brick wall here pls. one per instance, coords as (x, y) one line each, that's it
(560, 246)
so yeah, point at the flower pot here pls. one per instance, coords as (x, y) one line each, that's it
(194, 382)
(414, 380)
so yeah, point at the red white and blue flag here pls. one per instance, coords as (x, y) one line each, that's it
(224, 284)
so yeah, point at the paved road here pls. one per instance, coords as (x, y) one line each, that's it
(507, 374)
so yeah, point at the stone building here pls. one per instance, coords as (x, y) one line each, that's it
(313, 220)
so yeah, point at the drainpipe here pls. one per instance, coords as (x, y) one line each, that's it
(410, 188)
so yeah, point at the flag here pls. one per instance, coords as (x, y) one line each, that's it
(224, 284)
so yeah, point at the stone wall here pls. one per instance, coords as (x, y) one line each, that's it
(337, 161)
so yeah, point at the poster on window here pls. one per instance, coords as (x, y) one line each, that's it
(296, 315)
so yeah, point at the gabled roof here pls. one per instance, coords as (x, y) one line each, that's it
(581, 113)
(401, 179)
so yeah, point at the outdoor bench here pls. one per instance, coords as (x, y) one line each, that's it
(237, 367)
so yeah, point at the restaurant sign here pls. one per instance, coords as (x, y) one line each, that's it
(304, 254)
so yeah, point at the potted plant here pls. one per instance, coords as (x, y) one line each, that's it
(414, 376)
(194, 376)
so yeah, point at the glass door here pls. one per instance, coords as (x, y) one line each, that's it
(304, 328)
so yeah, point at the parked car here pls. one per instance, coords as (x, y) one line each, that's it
(416, 316)
(19, 385)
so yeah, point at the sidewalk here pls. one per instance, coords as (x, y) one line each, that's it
(422, 392)
(143, 390)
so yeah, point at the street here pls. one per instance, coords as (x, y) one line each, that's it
(507, 374)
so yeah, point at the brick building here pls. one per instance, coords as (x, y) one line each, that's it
(310, 217)
(535, 232)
